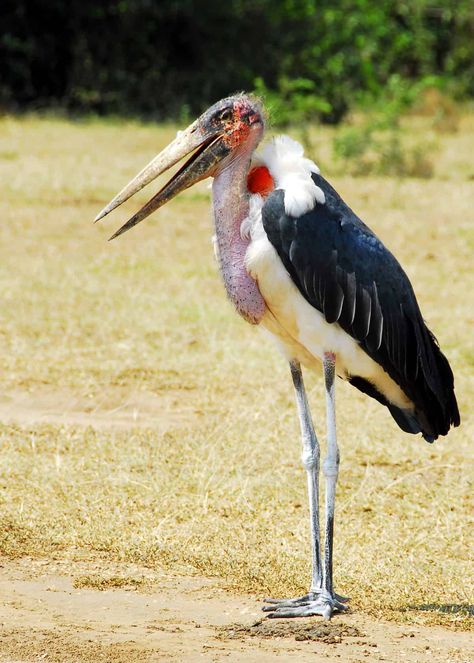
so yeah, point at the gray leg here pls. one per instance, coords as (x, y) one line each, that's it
(330, 470)
(310, 459)
(321, 599)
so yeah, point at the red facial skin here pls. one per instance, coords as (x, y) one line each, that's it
(237, 129)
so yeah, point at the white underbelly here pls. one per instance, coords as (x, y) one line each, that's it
(301, 331)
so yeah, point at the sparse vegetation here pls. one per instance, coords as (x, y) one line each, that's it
(109, 582)
(215, 485)
(375, 141)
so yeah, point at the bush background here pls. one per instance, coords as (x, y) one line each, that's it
(165, 59)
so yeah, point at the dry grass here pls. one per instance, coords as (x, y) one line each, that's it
(103, 583)
(222, 493)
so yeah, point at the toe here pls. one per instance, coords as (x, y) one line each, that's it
(341, 599)
(285, 603)
(298, 611)
(288, 603)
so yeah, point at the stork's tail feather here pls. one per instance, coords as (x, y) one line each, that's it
(433, 415)
(406, 419)
(436, 407)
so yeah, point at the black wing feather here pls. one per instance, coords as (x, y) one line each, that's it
(344, 271)
(361, 325)
(348, 283)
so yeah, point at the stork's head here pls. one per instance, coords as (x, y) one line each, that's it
(228, 130)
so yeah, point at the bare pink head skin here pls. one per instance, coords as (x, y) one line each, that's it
(221, 142)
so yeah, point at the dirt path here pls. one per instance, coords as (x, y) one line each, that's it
(115, 407)
(48, 613)
(85, 612)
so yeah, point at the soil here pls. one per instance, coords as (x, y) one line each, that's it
(115, 407)
(69, 611)
(49, 613)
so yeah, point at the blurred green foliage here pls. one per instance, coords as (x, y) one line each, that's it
(373, 142)
(171, 58)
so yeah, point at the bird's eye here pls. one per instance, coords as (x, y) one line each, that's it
(226, 115)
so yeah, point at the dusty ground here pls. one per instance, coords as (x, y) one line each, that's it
(151, 490)
(116, 407)
(47, 614)
(71, 610)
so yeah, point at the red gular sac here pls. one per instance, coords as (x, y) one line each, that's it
(260, 181)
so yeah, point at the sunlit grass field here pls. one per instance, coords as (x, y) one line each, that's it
(208, 479)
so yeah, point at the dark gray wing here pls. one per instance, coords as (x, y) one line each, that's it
(343, 270)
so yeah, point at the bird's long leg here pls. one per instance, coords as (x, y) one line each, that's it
(330, 468)
(321, 599)
(310, 458)
(330, 471)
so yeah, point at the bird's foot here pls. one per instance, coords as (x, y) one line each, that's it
(314, 603)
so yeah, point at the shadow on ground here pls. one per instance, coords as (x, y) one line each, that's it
(446, 608)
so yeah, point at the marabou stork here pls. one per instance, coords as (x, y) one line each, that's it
(296, 260)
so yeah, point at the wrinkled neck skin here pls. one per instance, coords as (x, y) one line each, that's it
(231, 207)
